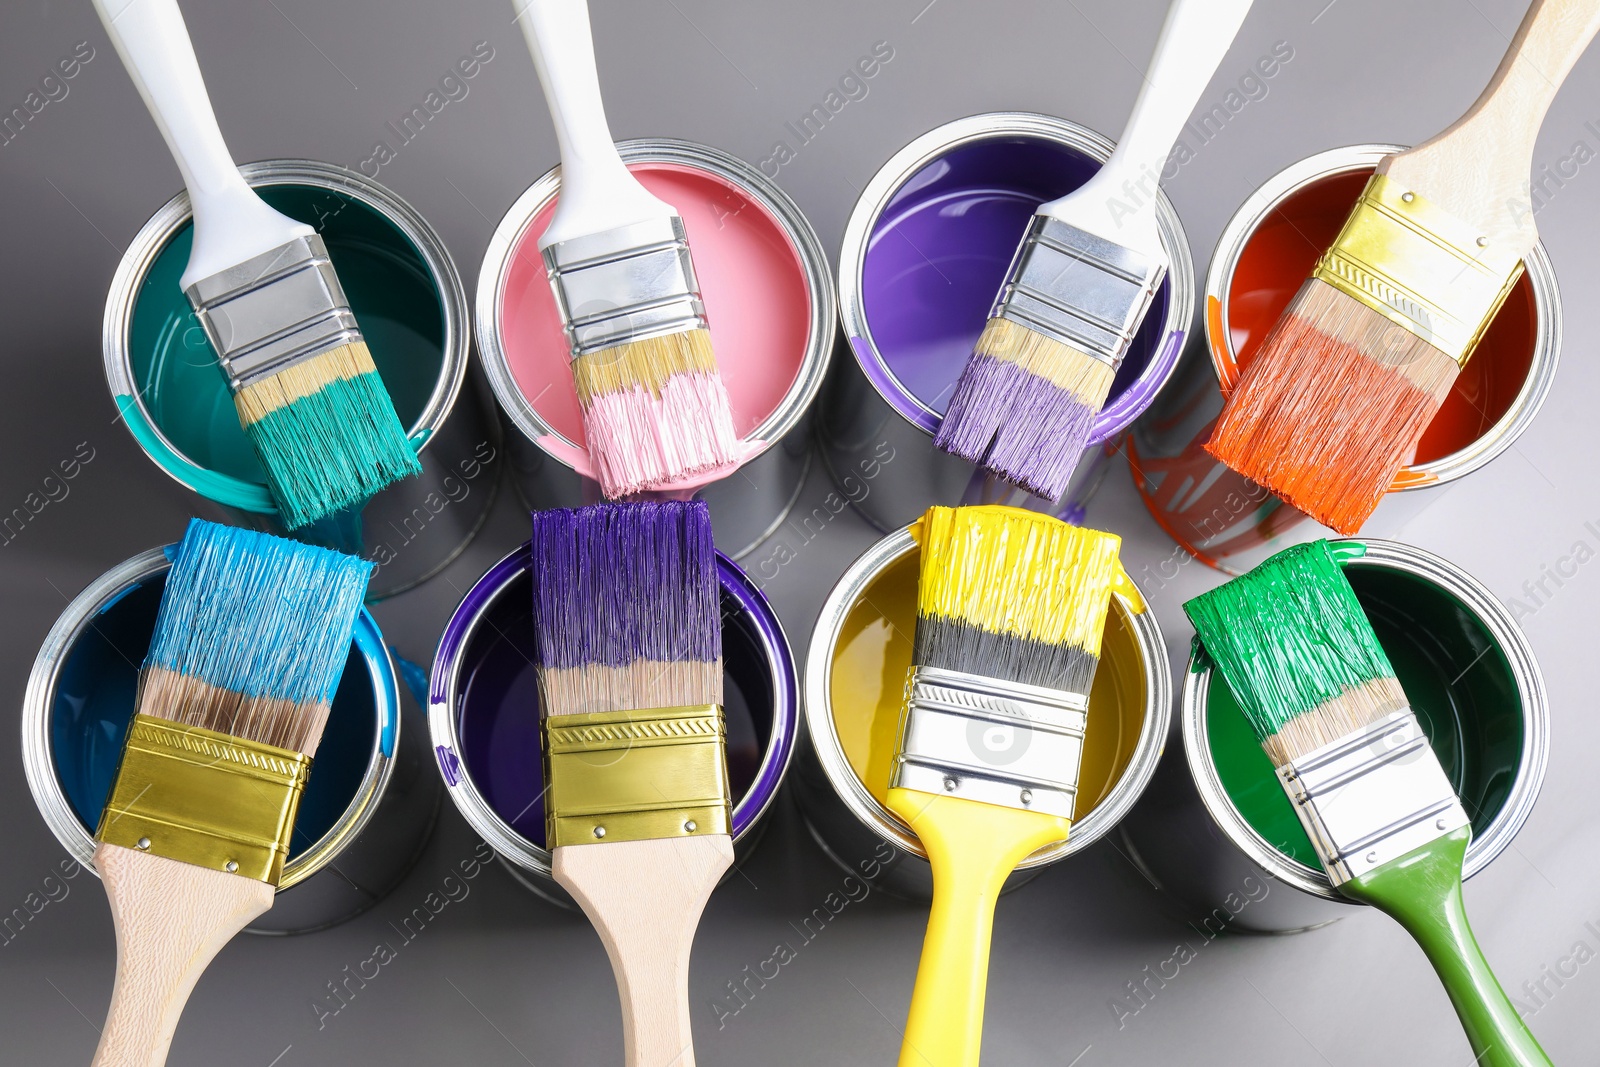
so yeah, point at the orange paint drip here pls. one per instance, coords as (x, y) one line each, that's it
(1331, 451)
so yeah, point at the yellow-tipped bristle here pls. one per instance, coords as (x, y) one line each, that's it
(1018, 573)
(648, 363)
(1063, 366)
(307, 378)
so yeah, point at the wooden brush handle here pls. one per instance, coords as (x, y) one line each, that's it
(171, 918)
(1479, 168)
(645, 900)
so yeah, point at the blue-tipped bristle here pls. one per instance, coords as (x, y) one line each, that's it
(617, 583)
(1021, 426)
(258, 615)
(332, 450)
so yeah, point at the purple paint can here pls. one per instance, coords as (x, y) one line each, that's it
(925, 252)
(484, 715)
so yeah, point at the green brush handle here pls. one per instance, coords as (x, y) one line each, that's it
(1422, 892)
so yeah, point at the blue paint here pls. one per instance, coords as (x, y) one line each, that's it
(94, 702)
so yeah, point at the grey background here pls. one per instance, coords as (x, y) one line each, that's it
(502, 978)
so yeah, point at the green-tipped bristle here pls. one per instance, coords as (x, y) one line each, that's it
(332, 449)
(1289, 637)
(1015, 595)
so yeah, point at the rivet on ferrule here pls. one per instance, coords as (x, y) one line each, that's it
(205, 798)
(636, 775)
(1420, 267)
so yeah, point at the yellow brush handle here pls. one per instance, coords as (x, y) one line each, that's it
(973, 847)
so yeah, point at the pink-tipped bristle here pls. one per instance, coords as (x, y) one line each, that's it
(640, 440)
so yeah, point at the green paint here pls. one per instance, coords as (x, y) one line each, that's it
(174, 368)
(1458, 680)
(1422, 892)
(1288, 636)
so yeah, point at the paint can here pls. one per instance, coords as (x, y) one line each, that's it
(1218, 833)
(855, 675)
(1264, 254)
(925, 251)
(769, 300)
(484, 718)
(368, 808)
(409, 300)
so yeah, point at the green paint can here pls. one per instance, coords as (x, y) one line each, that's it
(409, 300)
(1218, 833)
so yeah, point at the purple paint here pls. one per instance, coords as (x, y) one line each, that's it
(937, 256)
(488, 646)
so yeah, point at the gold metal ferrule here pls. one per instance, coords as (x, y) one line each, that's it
(205, 798)
(1419, 266)
(636, 775)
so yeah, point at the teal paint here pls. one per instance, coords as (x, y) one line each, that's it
(180, 386)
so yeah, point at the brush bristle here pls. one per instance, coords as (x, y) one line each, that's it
(1025, 406)
(326, 433)
(1014, 595)
(655, 411)
(627, 607)
(252, 635)
(1296, 649)
(1332, 406)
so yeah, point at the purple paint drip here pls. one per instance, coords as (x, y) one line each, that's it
(497, 709)
(937, 257)
(1025, 428)
(618, 583)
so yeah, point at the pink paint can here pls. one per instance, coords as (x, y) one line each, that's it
(769, 301)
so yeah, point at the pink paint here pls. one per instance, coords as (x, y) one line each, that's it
(755, 292)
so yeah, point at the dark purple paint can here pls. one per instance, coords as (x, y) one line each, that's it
(924, 255)
(484, 716)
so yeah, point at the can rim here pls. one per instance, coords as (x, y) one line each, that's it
(1539, 270)
(37, 709)
(1120, 412)
(153, 236)
(865, 807)
(489, 302)
(1493, 615)
(444, 688)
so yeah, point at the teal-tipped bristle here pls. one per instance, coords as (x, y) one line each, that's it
(1289, 636)
(258, 615)
(333, 449)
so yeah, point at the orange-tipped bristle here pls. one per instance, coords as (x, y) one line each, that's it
(1332, 407)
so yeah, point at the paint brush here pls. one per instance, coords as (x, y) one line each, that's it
(655, 411)
(1082, 280)
(1296, 649)
(1011, 606)
(304, 385)
(1347, 381)
(628, 624)
(250, 640)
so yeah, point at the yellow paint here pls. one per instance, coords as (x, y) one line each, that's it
(873, 653)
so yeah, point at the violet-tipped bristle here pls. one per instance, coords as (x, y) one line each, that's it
(655, 411)
(252, 635)
(1332, 406)
(1025, 407)
(627, 607)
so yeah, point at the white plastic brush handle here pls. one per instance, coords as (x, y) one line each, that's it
(1118, 203)
(231, 223)
(597, 191)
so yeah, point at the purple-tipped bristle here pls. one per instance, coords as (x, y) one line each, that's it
(617, 583)
(1021, 426)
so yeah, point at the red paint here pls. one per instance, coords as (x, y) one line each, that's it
(1281, 254)
(755, 292)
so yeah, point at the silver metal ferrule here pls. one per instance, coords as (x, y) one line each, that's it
(1373, 796)
(626, 284)
(998, 742)
(275, 310)
(1081, 290)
